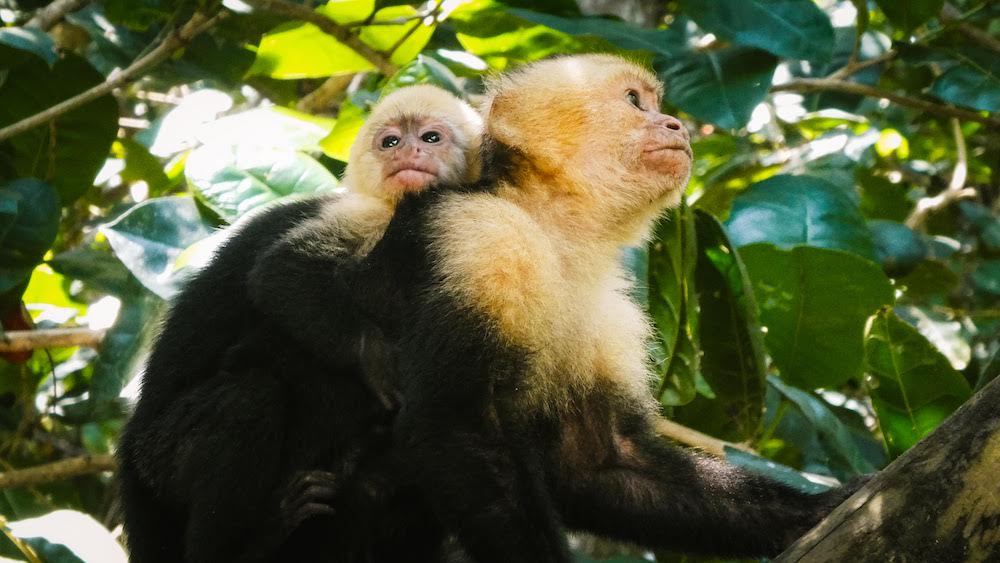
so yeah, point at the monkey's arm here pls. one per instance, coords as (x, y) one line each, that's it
(665, 497)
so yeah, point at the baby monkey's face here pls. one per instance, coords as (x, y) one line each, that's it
(417, 152)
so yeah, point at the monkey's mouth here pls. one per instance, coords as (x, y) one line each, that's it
(413, 177)
(683, 147)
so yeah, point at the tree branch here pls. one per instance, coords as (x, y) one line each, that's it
(339, 32)
(834, 85)
(57, 470)
(52, 14)
(691, 437)
(956, 189)
(198, 24)
(25, 340)
(951, 15)
(319, 99)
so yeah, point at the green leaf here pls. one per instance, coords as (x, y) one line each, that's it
(834, 435)
(672, 306)
(124, 346)
(348, 11)
(140, 165)
(338, 143)
(423, 70)
(385, 38)
(908, 15)
(799, 210)
(69, 150)
(986, 277)
(814, 303)
(301, 50)
(29, 39)
(151, 236)
(657, 41)
(970, 85)
(913, 386)
(882, 199)
(722, 87)
(28, 232)
(68, 536)
(795, 29)
(729, 333)
(898, 248)
(928, 278)
(232, 180)
(273, 126)
(98, 270)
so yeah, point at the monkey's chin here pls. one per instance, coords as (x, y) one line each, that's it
(409, 180)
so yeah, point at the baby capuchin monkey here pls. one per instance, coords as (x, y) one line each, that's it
(498, 312)
(242, 433)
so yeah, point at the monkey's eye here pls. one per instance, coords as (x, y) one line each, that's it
(633, 98)
(431, 137)
(389, 141)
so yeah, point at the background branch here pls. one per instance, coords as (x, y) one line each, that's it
(25, 340)
(691, 437)
(57, 470)
(339, 32)
(956, 189)
(198, 24)
(52, 14)
(952, 15)
(803, 85)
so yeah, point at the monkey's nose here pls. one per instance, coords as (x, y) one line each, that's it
(671, 122)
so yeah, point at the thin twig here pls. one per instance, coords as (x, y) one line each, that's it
(339, 32)
(25, 340)
(691, 437)
(57, 470)
(857, 66)
(834, 85)
(951, 15)
(956, 189)
(198, 24)
(52, 14)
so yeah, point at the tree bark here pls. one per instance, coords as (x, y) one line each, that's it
(939, 502)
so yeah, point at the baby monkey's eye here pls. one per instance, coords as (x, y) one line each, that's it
(389, 141)
(633, 98)
(431, 137)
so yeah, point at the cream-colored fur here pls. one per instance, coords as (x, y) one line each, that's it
(363, 173)
(541, 257)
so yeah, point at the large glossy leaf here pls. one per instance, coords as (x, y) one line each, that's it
(814, 303)
(29, 39)
(232, 180)
(268, 126)
(799, 210)
(913, 386)
(772, 470)
(907, 15)
(722, 87)
(302, 50)
(972, 84)
(834, 435)
(662, 43)
(29, 221)
(150, 237)
(68, 536)
(673, 254)
(338, 143)
(795, 29)
(69, 150)
(731, 340)
(898, 248)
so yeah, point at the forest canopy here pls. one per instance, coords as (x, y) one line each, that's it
(826, 296)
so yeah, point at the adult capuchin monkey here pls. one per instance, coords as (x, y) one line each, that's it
(498, 314)
(239, 432)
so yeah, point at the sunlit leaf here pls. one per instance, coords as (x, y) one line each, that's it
(149, 237)
(338, 143)
(423, 70)
(68, 536)
(386, 38)
(914, 388)
(659, 42)
(232, 180)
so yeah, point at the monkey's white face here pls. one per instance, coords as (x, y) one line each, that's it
(415, 153)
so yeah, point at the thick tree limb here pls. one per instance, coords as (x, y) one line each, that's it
(52, 14)
(804, 85)
(25, 340)
(952, 15)
(339, 32)
(939, 501)
(56, 471)
(198, 24)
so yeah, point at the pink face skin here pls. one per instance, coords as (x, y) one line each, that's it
(414, 153)
(666, 143)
